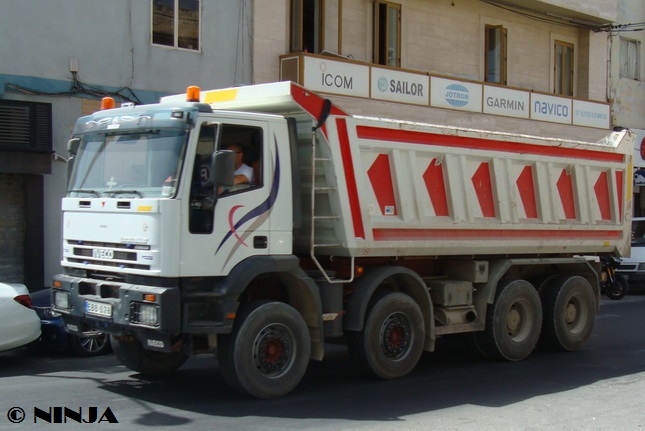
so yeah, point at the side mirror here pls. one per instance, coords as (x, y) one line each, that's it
(72, 145)
(223, 168)
(70, 167)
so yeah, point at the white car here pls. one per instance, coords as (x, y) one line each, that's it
(19, 323)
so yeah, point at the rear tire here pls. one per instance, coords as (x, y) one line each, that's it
(513, 322)
(148, 362)
(268, 352)
(391, 343)
(569, 313)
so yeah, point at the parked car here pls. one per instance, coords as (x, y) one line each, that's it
(54, 336)
(633, 266)
(19, 323)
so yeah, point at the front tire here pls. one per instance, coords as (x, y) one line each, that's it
(148, 362)
(569, 313)
(513, 322)
(391, 343)
(268, 351)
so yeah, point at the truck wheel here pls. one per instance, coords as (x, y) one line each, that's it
(149, 362)
(392, 341)
(268, 351)
(569, 313)
(513, 322)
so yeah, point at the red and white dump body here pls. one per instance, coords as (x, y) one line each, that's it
(410, 189)
(385, 234)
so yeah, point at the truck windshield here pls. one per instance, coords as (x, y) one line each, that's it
(143, 164)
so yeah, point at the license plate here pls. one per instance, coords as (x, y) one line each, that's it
(98, 308)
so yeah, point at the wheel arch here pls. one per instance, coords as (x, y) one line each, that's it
(301, 291)
(393, 278)
(536, 271)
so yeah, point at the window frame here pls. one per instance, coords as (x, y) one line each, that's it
(502, 64)
(628, 61)
(378, 37)
(176, 25)
(559, 71)
(297, 37)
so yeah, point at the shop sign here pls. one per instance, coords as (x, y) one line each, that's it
(550, 108)
(446, 93)
(507, 102)
(403, 87)
(336, 77)
(590, 114)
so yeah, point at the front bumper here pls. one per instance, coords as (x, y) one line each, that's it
(149, 313)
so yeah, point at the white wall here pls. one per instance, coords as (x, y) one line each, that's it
(112, 43)
(628, 96)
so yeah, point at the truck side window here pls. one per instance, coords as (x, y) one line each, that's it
(246, 142)
(202, 201)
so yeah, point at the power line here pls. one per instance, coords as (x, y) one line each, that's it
(79, 87)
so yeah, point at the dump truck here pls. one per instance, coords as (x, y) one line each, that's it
(381, 234)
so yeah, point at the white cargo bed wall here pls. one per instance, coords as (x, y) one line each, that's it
(410, 189)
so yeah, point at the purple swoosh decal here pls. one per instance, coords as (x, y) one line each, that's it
(260, 209)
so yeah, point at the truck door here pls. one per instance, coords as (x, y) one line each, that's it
(228, 224)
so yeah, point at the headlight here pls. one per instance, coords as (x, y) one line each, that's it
(61, 300)
(144, 314)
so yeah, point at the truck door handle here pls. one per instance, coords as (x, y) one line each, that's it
(260, 242)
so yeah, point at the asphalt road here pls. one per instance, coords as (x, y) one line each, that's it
(601, 387)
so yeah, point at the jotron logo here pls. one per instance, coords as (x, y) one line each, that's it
(457, 95)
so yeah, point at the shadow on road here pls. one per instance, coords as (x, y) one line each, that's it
(451, 376)
(334, 389)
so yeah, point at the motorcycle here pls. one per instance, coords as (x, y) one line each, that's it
(613, 285)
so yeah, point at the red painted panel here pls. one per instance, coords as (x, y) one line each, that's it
(619, 187)
(433, 177)
(601, 188)
(565, 189)
(492, 234)
(484, 190)
(381, 178)
(311, 102)
(350, 178)
(526, 187)
(414, 137)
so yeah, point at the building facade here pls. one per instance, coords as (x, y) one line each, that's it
(626, 89)
(558, 68)
(517, 51)
(58, 59)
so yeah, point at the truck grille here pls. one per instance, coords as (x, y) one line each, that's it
(110, 264)
(112, 255)
(108, 245)
(118, 255)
